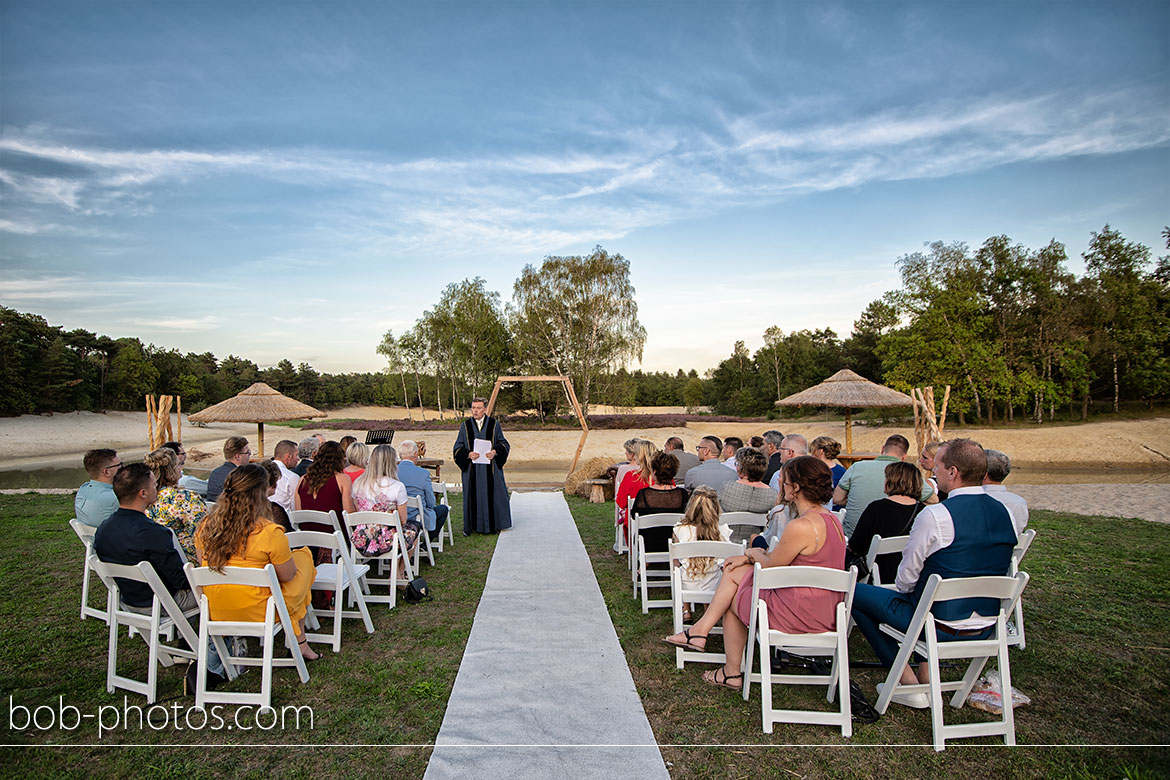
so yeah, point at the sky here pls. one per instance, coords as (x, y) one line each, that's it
(292, 179)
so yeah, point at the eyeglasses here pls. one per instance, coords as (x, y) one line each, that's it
(786, 449)
(114, 466)
(702, 447)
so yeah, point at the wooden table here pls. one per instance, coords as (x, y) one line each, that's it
(850, 459)
(432, 464)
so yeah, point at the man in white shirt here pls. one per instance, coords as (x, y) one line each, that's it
(731, 446)
(968, 535)
(285, 457)
(999, 465)
(793, 445)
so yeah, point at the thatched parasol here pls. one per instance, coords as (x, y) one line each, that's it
(850, 391)
(258, 404)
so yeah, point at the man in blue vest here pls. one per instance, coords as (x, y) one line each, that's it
(968, 535)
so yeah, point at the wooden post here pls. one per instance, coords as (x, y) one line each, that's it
(848, 431)
(260, 436)
(179, 416)
(568, 385)
(149, 423)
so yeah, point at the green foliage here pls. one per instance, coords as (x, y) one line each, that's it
(576, 316)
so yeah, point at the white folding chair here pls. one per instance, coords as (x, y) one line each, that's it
(298, 517)
(831, 644)
(164, 618)
(921, 637)
(879, 546)
(653, 578)
(276, 619)
(85, 534)
(448, 533)
(340, 576)
(679, 596)
(757, 522)
(1015, 626)
(397, 552)
(424, 538)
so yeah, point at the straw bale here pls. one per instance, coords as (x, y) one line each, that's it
(593, 468)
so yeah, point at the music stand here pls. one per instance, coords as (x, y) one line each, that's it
(384, 436)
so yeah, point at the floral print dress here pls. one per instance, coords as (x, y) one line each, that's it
(375, 539)
(181, 511)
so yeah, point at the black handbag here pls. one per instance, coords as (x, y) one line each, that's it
(417, 591)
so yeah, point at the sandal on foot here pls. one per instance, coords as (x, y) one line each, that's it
(712, 676)
(303, 645)
(689, 643)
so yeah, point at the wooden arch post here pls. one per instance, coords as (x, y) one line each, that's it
(567, 383)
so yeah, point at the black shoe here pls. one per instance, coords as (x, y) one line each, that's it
(189, 679)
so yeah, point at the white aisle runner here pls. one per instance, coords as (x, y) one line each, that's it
(543, 690)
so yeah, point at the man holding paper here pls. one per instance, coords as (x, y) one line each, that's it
(480, 453)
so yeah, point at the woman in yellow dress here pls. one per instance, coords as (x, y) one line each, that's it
(240, 532)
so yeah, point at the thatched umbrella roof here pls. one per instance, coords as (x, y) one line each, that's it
(850, 391)
(258, 404)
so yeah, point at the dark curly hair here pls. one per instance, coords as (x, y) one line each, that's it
(328, 461)
(665, 467)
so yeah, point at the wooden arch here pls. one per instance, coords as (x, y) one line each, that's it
(568, 385)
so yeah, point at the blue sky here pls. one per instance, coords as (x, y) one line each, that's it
(292, 179)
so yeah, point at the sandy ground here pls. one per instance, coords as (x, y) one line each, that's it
(1094, 456)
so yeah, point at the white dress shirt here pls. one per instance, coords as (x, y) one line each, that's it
(286, 488)
(1017, 507)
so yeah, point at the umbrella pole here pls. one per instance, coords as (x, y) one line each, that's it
(848, 431)
(260, 426)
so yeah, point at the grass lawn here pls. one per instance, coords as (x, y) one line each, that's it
(386, 688)
(1097, 668)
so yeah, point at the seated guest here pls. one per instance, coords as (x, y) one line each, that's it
(128, 537)
(710, 471)
(306, 450)
(748, 493)
(773, 441)
(814, 538)
(864, 481)
(279, 515)
(968, 535)
(346, 441)
(240, 532)
(179, 510)
(95, 499)
(284, 457)
(890, 516)
(686, 460)
(638, 477)
(235, 454)
(325, 487)
(186, 481)
(731, 445)
(827, 448)
(700, 524)
(357, 455)
(418, 483)
(660, 496)
(926, 461)
(757, 442)
(791, 446)
(999, 465)
(378, 489)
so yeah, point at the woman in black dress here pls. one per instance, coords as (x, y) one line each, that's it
(661, 496)
(889, 516)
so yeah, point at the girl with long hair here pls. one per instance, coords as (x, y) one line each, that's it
(177, 508)
(638, 477)
(240, 532)
(700, 524)
(378, 489)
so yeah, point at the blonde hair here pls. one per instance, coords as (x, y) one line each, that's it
(164, 464)
(644, 452)
(383, 463)
(357, 454)
(703, 513)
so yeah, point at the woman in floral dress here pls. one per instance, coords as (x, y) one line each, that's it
(177, 508)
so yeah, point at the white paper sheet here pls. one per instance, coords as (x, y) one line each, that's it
(482, 446)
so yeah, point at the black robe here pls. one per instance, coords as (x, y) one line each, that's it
(486, 508)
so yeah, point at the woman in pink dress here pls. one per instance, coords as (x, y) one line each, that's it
(813, 538)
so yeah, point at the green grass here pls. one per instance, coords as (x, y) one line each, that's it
(1097, 668)
(386, 688)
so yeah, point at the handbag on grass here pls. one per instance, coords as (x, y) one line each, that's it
(416, 591)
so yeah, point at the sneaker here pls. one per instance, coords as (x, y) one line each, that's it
(919, 701)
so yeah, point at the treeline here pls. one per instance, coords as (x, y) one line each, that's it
(1009, 328)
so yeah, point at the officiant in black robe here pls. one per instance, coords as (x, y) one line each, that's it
(486, 508)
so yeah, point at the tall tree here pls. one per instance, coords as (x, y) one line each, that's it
(391, 349)
(577, 316)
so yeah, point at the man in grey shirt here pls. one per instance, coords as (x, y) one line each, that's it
(686, 460)
(710, 471)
